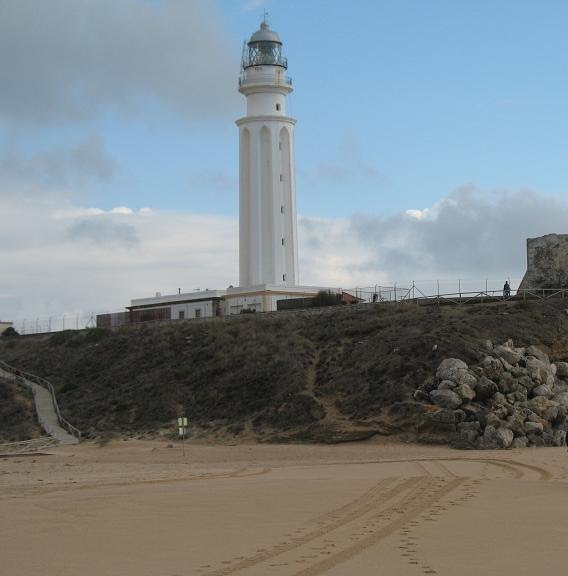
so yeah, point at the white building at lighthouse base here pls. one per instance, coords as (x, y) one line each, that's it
(265, 297)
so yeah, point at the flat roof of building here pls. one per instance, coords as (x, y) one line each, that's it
(276, 289)
(165, 299)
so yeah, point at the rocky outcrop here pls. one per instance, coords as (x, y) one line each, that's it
(515, 397)
(547, 262)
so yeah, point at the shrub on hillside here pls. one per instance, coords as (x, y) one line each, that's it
(61, 338)
(324, 298)
(10, 332)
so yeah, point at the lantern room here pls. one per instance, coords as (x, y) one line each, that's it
(264, 49)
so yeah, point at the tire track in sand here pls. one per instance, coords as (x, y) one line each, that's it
(28, 491)
(543, 473)
(409, 546)
(352, 533)
(359, 524)
(421, 498)
(378, 495)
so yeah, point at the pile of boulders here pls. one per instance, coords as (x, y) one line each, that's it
(515, 397)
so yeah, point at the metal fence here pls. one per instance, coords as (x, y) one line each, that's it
(415, 295)
(47, 324)
(411, 290)
(423, 292)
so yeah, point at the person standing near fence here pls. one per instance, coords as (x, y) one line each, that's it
(506, 289)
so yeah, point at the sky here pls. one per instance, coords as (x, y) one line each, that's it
(430, 143)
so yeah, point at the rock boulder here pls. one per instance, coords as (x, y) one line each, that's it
(497, 438)
(508, 353)
(447, 399)
(465, 392)
(451, 369)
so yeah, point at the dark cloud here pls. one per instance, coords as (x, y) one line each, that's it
(104, 230)
(470, 233)
(65, 59)
(91, 157)
(65, 167)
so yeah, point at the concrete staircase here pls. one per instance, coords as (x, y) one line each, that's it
(46, 406)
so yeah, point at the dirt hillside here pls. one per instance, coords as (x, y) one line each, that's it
(332, 375)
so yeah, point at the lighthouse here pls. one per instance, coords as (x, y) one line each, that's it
(268, 246)
(268, 249)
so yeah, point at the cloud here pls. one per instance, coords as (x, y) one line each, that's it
(91, 157)
(349, 162)
(329, 252)
(418, 214)
(74, 212)
(370, 171)
(331, 172)
(72, 258)
(471, 234)
(85, 163)
(85, 259)
(104, 231)
(66, 60)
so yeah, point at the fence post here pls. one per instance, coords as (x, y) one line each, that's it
(460, 288)
(395, 292)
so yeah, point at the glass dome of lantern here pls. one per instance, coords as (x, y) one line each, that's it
(264, 49)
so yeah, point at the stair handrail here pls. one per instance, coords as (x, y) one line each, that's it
(73, 430)
(26, 446)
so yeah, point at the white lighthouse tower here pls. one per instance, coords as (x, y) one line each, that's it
(268, 250)
(268, 247)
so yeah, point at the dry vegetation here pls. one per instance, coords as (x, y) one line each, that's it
(17, 413)
(335, 374)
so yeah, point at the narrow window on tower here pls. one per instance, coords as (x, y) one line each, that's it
(280, 145)
(281, 209)
(281, 177)
(282, 241)
(284, 277)
(278, 107)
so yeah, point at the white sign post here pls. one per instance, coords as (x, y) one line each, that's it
(182, 431)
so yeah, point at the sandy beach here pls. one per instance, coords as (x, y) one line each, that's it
(151, 509)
